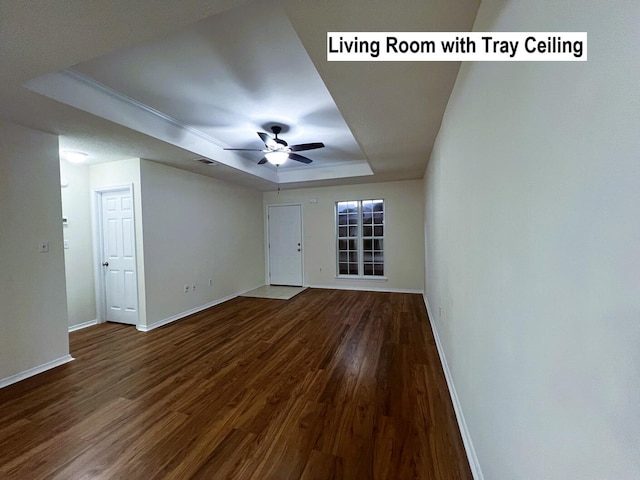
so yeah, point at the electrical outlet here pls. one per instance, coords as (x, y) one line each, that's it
(193, 287)
(186, 289)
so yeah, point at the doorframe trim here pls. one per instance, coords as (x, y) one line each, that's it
(267, 280)
(98, 245)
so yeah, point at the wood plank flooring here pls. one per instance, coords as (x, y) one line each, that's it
(328, 385)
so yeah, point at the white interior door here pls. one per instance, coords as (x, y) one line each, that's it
(118, 257)
(285, 244)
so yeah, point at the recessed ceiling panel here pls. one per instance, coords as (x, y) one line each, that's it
(230, 76)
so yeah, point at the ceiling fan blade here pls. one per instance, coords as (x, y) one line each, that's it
(299, 158)
(262, 161)
(268, 141)
(306, 146)
(245, 149)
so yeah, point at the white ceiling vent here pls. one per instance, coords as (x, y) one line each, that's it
(206, 161)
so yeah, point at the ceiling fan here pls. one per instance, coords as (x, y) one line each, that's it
(277, 151)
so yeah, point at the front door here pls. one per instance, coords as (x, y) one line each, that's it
(285, 244)
(119, 257)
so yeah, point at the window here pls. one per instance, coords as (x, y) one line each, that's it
(360, 237)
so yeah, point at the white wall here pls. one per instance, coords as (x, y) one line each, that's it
(404, 239)
(33, 313)
(197, 228)
(533, 247)
(78, 257)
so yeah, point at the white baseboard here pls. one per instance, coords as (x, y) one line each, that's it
(5, 382)
(174, 318)
(462, 424)
(366, 289)
(90, 323)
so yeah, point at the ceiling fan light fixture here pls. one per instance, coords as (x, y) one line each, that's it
(277, 158)
(278, 151)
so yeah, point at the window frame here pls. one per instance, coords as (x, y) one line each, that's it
(360, 239)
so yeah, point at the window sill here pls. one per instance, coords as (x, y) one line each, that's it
(362, 277)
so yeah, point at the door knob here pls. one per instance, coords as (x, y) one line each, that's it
(105, 264)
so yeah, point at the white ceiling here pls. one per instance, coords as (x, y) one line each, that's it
(173, 81)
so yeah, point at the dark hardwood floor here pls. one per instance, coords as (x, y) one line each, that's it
(330, 384)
